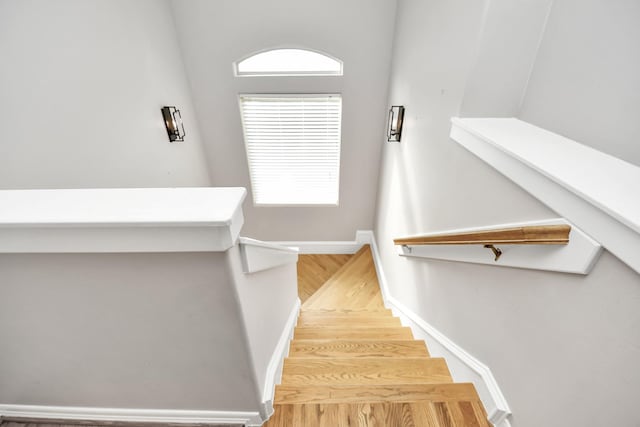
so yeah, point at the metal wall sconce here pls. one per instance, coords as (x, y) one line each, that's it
(394, 127)
(173, 123)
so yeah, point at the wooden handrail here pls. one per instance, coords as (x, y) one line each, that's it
(526, 235)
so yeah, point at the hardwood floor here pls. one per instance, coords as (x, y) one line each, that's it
(351, 363)
(314, 270)
(354, 285)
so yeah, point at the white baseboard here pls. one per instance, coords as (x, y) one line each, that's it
(324, 247)
(131, 415)
(463, 366)
(332, 247)
(274, 370)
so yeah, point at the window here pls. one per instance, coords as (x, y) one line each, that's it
(289, 62)
(293, 148)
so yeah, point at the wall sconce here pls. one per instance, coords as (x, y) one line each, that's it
(173, 123)
(394, 128)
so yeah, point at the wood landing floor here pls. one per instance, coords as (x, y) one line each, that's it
(352, 363)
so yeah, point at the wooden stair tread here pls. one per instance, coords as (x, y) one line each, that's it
(358, 348)
(349, 321)
(383, 333)
(288, 394)
(382, 414)
(308, 371)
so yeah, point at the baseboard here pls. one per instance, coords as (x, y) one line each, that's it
(324, 247)
(331, 247)
(463, 366)
(274, 370)
(158, 416)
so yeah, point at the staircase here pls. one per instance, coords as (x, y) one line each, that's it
(352, 363)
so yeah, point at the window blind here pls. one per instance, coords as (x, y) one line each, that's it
(293, 148)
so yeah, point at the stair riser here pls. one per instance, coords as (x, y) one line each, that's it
(353, 333)
(382, 414)
(349, 322)
(353, 348)
(364, 371)
(375, 393)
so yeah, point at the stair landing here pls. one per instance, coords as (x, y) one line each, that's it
(351, 362)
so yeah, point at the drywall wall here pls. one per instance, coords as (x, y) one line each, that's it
(561, 347)
(266, 299)
(585, 81)
(82, 84)
(505, 52)
(214, 34)
(142, 331)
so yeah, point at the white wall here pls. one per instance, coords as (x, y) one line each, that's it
(141, 331)
(505, 52)
(585, 81)
(81, 87)
(266, 299)
(214, 34)
(563, 348)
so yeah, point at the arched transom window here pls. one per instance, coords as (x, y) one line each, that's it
(289, 62)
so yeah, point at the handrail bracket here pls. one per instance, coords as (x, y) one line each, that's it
(496, 251)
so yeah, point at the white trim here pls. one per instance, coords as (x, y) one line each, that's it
(592, 189)
(258, 256)
(363, 237)
(493, 400)
(131, 415)
(274, 369)
(578, 256)
(335, 247)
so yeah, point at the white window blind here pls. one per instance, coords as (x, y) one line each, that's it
(293, 148)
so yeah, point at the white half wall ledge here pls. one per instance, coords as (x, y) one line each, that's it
(202, 219)
(593, 190)
(258, 255)
(578, 256)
